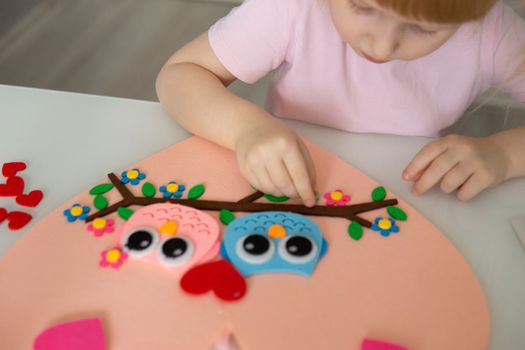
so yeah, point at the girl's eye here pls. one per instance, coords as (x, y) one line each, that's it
(414, 28)
(361, 10)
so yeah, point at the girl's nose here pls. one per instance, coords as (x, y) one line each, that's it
(385, 42)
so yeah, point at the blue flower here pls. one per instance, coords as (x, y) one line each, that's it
(172, 189)
(77, 211)
(385, 226)
(133, 176)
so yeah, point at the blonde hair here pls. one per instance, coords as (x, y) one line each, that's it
(440, 11)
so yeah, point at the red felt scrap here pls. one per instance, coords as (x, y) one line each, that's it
(86, 334)
(32, 199)
(13, 187)
(10, 169)
(218, 276)
(17, 219)
(3, 214)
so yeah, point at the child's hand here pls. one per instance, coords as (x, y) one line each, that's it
(274, 160)
(461, 163)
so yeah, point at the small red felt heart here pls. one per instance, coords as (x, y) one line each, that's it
(17, 219)
(217, 276)
(10, 169)
(31, 199)
(86, 334)
(3, 214)
(13, 187)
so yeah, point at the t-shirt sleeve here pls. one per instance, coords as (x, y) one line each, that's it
(253, 38)
(505, 52)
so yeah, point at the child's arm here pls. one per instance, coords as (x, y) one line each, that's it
(192, 86)
(469, 165)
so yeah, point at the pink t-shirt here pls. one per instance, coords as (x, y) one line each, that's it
(318, 78)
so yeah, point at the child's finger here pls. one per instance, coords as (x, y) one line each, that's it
(265, 183)
(423, 159)
(455, 178)
(295, 163)
(435, 172)
(281, 178)
(473, 186)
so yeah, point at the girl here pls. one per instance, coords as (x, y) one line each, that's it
(407, 67)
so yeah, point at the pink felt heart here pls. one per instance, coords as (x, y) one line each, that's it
(217, 276)
(370, 344)
(13, 187)
(10, 169)
(3, 214)
(32, 199)
(86, 334)
(17, 219)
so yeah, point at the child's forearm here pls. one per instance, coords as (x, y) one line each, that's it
(513, 143)
(202, 104)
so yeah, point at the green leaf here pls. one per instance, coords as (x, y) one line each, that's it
(355, 230)
(378, 194)
(196, 191)
(125, 213)
(101, 189)
(100, 202)
(226, 216)
(276, 199)
(397, 213)
(149, 190)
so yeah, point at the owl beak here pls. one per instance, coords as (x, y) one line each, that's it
(276, 231)
(169, 228)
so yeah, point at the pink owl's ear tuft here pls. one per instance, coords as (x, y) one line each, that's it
(86, 334)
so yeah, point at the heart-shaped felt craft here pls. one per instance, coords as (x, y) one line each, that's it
(217, 276)
(10, 169)
(85, 334)
(17, 219)
(13, 187)
(32, 199)
(3, 214)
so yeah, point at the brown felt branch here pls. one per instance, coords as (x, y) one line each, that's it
(246, 204)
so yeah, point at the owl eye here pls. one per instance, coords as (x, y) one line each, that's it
(140, 241)
(175, 251)
(297, 249)
(255, 248)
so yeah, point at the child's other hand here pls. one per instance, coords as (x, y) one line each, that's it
(468, 165)
(275, 161)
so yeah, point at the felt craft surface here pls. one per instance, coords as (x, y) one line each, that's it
(412, 288)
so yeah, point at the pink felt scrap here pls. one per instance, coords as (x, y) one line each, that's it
(369, 344)
(86, 334)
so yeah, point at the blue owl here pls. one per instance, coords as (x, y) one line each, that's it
(269, 242)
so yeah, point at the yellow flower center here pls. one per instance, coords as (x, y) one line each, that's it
(172, 188)
(76, 210)
(99, 223)
(133, 174)
(384, 224)
(113, 255)
(337, 196)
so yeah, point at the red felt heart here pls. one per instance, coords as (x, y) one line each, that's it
(17, 219)
(3, 214)
(85, 334)
(10, 169)
(217, 276)
(13, 187)
(31, 199)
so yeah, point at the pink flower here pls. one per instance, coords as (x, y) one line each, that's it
(99, 226)
(336, 198)
(113, 257)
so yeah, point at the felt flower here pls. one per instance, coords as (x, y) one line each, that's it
(76, 212)
(385, 226)
(133, 176)
(99, 226)
(172, 189)
(336, 198)
(113, 257)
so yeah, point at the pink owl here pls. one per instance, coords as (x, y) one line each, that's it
(171, 235)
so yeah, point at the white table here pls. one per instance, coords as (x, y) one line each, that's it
(70, 141)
